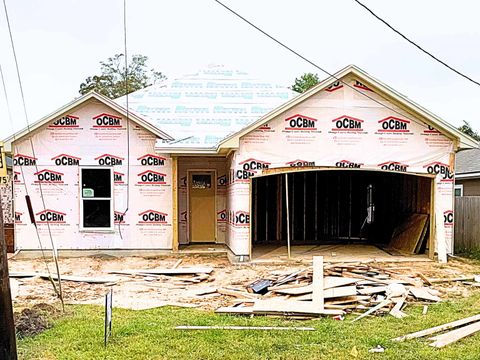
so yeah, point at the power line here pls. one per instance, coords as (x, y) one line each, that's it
(54, 249)
(10, 118)
(317, 66)
(417, 46)
(128, 113)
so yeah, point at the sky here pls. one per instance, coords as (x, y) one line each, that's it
(61, 42)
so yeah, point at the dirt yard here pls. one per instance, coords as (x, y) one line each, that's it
(139, 292)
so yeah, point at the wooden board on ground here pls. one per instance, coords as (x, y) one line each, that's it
(455, 335)
(317, 282)
(268, 328)
(238, 294)
(238, 310)
(439, 328)
(372, 290)
(408, 234)
(327, 294)
(424, 294)
(276, 306)
(177, 271)
(90, 280)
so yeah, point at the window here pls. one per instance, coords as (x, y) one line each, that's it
(459, 190)
(96, 198)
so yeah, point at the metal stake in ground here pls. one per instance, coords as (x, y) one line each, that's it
(108, 315)
(8, 347)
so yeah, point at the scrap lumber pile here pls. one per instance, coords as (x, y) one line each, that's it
(332, 289)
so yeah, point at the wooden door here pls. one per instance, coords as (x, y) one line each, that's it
(202, 206)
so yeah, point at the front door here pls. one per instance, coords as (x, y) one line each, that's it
(202, 206)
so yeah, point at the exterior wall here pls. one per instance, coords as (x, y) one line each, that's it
(315, 133)
(6, 197)
(80, 138)
(205, 163)
(470, 187)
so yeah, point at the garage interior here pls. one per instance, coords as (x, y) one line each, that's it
(346, 212)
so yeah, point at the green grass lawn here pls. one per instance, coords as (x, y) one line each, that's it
(150, 335)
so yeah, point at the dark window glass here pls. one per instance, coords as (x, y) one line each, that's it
(98, 180)
(201, 181)
(96, 213)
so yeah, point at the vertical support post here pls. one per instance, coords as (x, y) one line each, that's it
(279, 209)
(175, 203)
(304, 206)
(288, 216)
(432, 240)
(8, 347)
(317, 282)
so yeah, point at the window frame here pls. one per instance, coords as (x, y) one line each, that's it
(111, 199)
(458, 187)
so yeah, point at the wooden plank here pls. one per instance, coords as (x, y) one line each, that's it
(397, 309)
(373, 309)
(277, 306)
(238, 310)
(178, 271)
(90, 280)
(177, 264)
(300, 289)
(460, 278)
(424, 278)
(347, 299)
(407, 235)
(336, 281)
(238, 294)
(205, 291)
(267, 328)
(328, 293)
(291, 277)
(424, 294)
(455, 335)
(317, 282)
(372, 290)
(439, 328)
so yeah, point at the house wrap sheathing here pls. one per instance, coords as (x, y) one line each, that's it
(236, 129)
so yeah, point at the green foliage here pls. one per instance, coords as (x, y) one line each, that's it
(305, 82)
(466, 128)
(111, 81)
(150, 334)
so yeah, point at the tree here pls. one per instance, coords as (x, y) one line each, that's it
(111, 82)
(305, 82)
(467, 129)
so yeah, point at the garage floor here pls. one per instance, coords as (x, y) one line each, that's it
(331, 253)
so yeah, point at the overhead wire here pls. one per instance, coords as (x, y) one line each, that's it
(458, 72)
(10, 118)
(128, 114)
(271, 37)
(52, 243)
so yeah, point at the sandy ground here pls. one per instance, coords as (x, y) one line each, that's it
(139, 292)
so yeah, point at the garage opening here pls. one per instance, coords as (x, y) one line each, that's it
(341, 207)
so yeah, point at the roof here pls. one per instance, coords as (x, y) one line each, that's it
(78, 101)
(463, 141)
(199, 110)
(467, 163)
